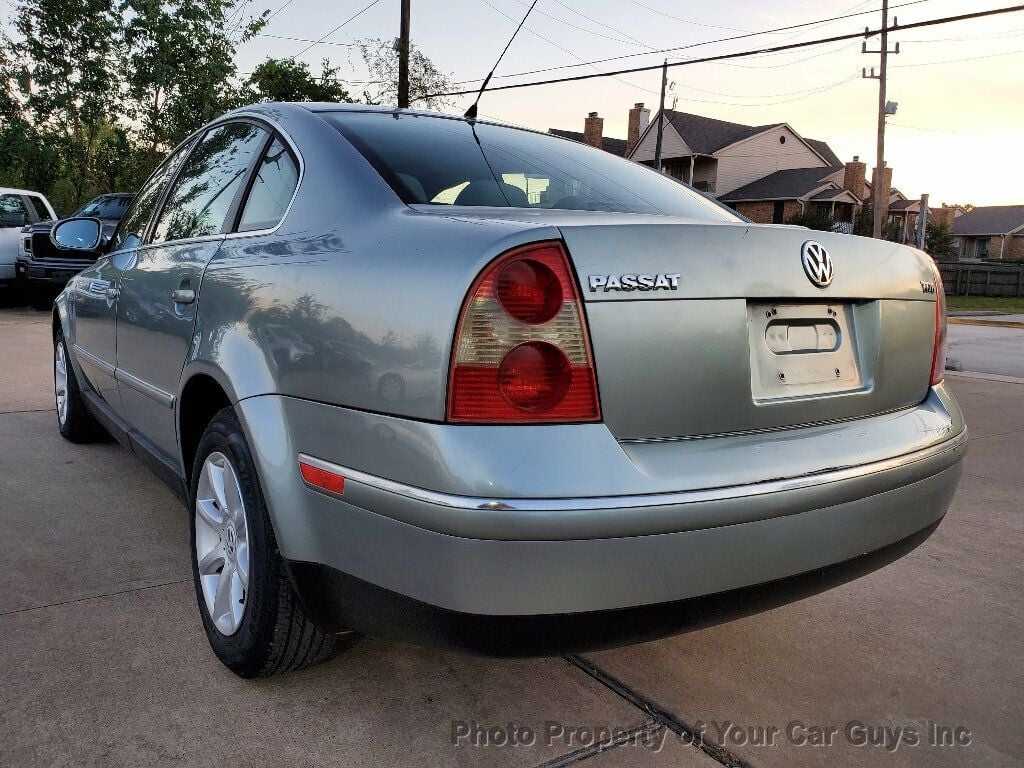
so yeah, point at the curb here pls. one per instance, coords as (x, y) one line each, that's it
(985, 377)
(992, 323)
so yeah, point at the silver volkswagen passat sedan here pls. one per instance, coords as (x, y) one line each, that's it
(466, 384)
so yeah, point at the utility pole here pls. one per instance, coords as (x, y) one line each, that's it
(922, 221)
(878, 184)
(403, 57)
(661, 117)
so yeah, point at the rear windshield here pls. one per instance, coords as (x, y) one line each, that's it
(445, 161)
(105, 207)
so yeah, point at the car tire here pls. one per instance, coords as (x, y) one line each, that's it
(254, 620)
(73, 418)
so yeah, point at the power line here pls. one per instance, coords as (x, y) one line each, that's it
(742, 54)
(954, 61)
(346, 21)
(685, 21)
(307, 40)
(690, 45)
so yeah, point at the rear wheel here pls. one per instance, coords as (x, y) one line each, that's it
(254, 621)
(73, 418)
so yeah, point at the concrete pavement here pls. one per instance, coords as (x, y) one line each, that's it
(104, 661)
(987, 349)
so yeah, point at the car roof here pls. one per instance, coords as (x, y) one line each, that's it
(12, 191)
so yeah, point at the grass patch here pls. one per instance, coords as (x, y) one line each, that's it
(986, 304)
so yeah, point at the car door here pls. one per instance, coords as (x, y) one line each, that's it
(94, 292)
(157, 302)
(13, 216)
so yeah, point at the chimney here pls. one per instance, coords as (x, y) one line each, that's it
(593, 130)
(639, 117)
(854, 176)
(944, 215)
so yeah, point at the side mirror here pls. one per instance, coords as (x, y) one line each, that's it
(12, 219)
(77, 234)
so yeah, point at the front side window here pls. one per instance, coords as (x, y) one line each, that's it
(214, 173)
(444, 161)
(13, 212)
(132, 229)
(272, 189)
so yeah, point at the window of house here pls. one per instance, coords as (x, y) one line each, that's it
(778, 211)
(982, 249)
(214, 173)
(272, 189)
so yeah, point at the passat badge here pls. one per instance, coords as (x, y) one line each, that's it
(658, 282)
(817, 263)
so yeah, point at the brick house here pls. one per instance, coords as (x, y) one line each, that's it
(991, 232)
(593, 134)
(769, 173)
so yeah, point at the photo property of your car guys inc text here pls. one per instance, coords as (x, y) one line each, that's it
(512, 383)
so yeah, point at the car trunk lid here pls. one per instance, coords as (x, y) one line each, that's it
(705, 329)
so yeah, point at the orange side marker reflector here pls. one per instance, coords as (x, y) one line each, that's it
(321, 478)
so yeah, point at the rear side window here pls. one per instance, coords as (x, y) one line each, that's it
(210, 179)
(132, 228)
(42, 211)
(272, 189)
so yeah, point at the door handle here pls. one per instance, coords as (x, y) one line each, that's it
(111, 293)
(183, 296)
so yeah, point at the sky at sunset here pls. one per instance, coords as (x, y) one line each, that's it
(960, 87)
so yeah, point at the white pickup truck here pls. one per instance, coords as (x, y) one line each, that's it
(18, 207)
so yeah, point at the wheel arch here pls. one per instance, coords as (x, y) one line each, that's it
(205, 391)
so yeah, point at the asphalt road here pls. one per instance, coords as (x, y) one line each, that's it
(104, 661)
(987, 349)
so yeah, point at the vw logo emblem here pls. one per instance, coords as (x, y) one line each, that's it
(817, 263)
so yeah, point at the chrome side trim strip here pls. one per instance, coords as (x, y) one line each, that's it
(99, 362)
(636, 501)
(165, 399)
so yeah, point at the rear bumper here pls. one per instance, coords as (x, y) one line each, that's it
(337, 601)
(394, 557)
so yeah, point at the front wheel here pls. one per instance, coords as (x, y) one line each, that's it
(73, 418)
(254, 621)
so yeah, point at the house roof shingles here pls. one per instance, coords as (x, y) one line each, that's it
(990, 220)
(614, 146)
(706, 135)
(788, 184)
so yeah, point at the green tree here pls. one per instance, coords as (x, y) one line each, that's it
(381, 60)
(813, 219)
(938, 240)
(290, 80)
(61, 88)
(179, 65)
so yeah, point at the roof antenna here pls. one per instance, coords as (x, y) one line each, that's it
(471, 112)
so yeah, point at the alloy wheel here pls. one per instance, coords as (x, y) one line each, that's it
(222, 543)
(60, 381)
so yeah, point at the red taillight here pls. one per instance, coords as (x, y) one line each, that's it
(939, 349)
(521, 353)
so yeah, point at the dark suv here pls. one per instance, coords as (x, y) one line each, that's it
(42, 267)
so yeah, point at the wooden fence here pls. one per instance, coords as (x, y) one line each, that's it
(982, 278)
